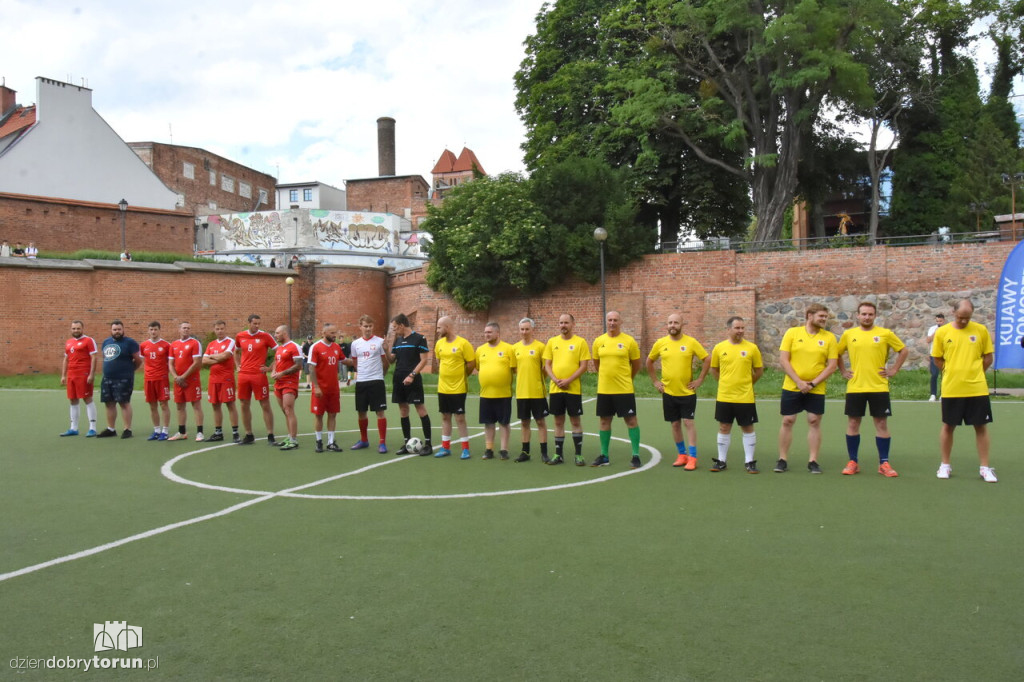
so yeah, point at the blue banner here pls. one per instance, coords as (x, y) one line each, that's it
(1010, 315)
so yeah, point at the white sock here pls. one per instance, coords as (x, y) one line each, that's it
(319, 435)
(724, 440)
(330, 437)
(74, 417)
(749, 441)
(90, 412)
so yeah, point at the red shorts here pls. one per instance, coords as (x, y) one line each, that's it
(253, 385)
(330, 403)
(190, 392)
(221, 392)
(280, 389)
(79, 387)
(157, 391)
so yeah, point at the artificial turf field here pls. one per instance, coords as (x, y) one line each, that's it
(654, 574)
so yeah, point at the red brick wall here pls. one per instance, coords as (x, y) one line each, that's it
(66, 226)
(386, 195)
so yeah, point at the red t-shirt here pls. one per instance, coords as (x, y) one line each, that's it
(254, 350)
(325, 358)
(184, 353)
(285, 357)
(222, 372)
(154, 355)
(79, 353)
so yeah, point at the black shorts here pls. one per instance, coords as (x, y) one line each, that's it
(616, 404)
(973, 411)
(566, 403)
(531, 408)
(857, 404)
(495, 410)
(451, 403)
(411, 394)
(745, 414)
(116, 390)
(371, 396)
(676, 407)
(795, 402)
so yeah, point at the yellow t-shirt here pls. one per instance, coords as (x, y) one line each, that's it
(615, 353)
(808, 354)
(566, 355)
(868, 351)
(735, 363)
(677, 362)
(495, 363)
(529, 369)
(963, 375)
(451, 359)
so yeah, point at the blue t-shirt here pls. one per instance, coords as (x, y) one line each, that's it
(118, 358)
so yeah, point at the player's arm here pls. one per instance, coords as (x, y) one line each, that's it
(470, 367)
(705, 366)
(658, 384)
(385, 359)
(846, 372)
(900, 359)
(787, 367)
(986, 361)
(830, 367)
(634, 365)
(137, 359)
(197, 362)
(64, 370)
(756, 374)
(94, 366)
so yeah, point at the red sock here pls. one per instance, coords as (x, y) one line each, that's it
(465, 445)
(446, 442)
(382, 428)
(363, 424)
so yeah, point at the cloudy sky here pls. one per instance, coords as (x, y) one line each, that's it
(294, 88)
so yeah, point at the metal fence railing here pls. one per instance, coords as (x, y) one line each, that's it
(833, 242)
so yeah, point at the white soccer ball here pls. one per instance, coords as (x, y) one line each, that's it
(414, 445)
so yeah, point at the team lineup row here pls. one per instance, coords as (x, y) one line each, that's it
(809, 354)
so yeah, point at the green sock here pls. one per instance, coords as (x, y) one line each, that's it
(634, 440)
(606, 440)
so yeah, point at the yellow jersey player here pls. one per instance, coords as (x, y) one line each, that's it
(530, 398)
(868, 384)
(456, 360)
(495, 362)
(566, 357)
(737, 365)
(617, 360)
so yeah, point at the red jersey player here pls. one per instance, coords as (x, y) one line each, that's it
(185, 362)
(287, 365)
(325, 356)
(155, 354)
(77, 372)
(251, 348)
(220, 358)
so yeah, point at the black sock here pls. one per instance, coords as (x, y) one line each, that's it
(199, 429)
(526, 447)
(181, 429)
(406, 428)
(577, 442)
(425, 421)
(544, 449)
(559, 444)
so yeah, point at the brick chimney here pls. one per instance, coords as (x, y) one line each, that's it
(8, 99)
(385, 146)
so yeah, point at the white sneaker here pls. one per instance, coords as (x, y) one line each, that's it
(944, 471)
(200, 437)
(178, 436)
(988, 474)
(931, 398)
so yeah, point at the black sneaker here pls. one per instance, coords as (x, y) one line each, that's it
(333, 447)
(402, 451)
(545, 459)
(107, 433)
(248, 440)
(127, 433)
(781, 467)
(271, 441)
(751, 467)
(813, 467)
(635, 462)
(235, 439)
(557, 460)
(523, 457)
(215, 437)
(718, 465)
(600, 461)
(427, 449)
(503, 454)
(319, 446)
(488, 454)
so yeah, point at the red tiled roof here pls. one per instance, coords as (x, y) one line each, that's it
(467, 161)
(445, 164)
(21, 118)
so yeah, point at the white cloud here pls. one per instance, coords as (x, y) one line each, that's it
(298, 85)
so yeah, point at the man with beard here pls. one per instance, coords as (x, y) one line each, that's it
(77, 373)
(121, 358)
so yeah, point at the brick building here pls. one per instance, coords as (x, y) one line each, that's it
(205, 182)
(450, 171)
(403, 195)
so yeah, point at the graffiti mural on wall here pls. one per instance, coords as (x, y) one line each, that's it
(353, 231)
(253, 230)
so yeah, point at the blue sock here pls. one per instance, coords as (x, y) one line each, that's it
(681, 447)
(852, 446)
(693, 451)
(883, 449)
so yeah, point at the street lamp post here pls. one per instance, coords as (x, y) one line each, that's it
(123, 207)
(1013, 182)
(601, 234)
(290, 281)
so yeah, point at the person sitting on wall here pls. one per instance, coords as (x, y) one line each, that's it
(31, 252)
(18, 251)
(126, 256)
(5, 250)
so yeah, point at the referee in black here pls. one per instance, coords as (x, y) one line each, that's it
(410, 354)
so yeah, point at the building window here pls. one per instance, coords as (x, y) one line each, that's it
(263, 197)
(293, 195)
(189, 170)
(227, 184)
(213, 205)
(180, 201)
(307, 194)
(244, 189)
(213, 178)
